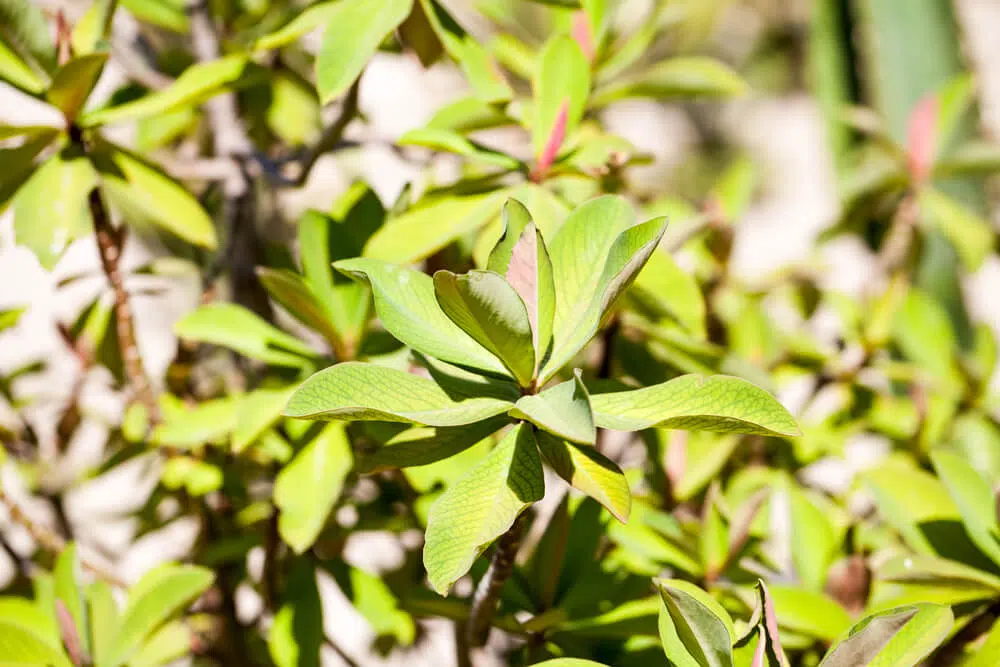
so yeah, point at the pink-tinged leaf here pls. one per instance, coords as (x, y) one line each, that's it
(69, 633)
(675, 460)
(522, 274)
(771, 622)
(584, 35)
(921, 138)
(761, 651)
(552, 144)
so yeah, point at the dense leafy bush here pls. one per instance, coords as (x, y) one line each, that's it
(428, 369)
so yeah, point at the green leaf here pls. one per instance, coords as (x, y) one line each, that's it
(36, 616)
(569, 662)
(484, 76)
(66, 589)
(147, 196)
(718, 403)
(304, 22)
(926, 337)
(421, 445)
(355, 391)
(73, 82)
(467, 115)
(911, 501)
(323, 239)
(239, 329)
(682, 77)
(595, 255)
(931, 579)
(427, 227)
(102, 611)
(16, 72)
(713, 538)
(374, 600)
(894, 638)
(168, 644)
(19, 162)
(482, 506)
(355, 29)
(968, 232)
(159, 595)
(196, 84)
(588, 471)
(523, 259)
(193, 426)
(974, 498)
(486, 307)
(812, 538)
(562, 77)
(562, 410)
(694, 628)
(50, 209)
(258, 411)
(408, 309)
(670, 292)
(306, 489)
(296, 635)
(167, 14)
(198, 478)
(25, 30)
(20, 646)
(294, 295)
(809, 612)
(453, 142)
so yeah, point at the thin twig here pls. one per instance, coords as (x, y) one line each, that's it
(333, 134)
(109, 244)
(135, 66)
(52, 542)
(487, 595)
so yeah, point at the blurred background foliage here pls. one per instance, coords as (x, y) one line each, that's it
(176, 180)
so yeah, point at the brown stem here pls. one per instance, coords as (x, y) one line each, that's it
(49, 540)
(487, 596)
(333, 134)
(109, 245)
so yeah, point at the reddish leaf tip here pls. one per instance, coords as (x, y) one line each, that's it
(921, 139)
(583, 35)
(553, 143)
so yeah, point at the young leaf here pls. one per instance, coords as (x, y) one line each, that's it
(306, 489)
(893, 638)
(486, 307)
(562, 410)
(719, 403)
(809, 613)
(522, 258)
(102, 613)
(694, 629)
(73, 82)
(355, 29)
(239, 329)
(147, 196)
(578, 252)
(811, 537)
(405, 302)
(481, 506)
(588, 471)
(196, 84)
(354, 391)
(421, 446)
(974, 498)
(159, 595)
(562, 78)
(68, 592)
(296, 635)
(765, 622)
